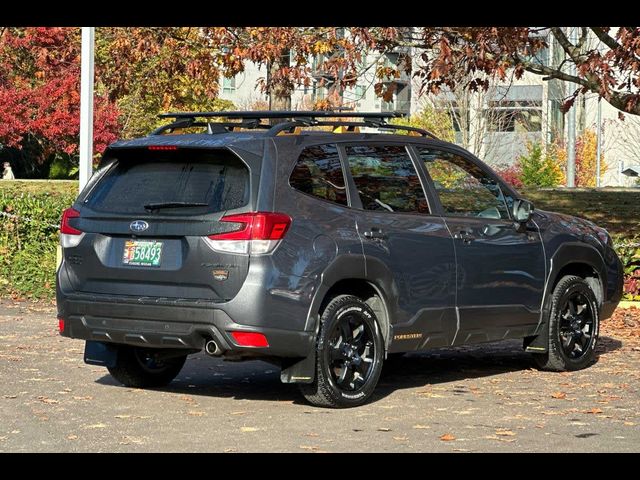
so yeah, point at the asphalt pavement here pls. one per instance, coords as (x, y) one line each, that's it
(487, 398)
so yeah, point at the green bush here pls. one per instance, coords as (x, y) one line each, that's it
(29, 235)
(538, 169)
(31, 210)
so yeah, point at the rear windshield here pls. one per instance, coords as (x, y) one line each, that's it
(216, 178)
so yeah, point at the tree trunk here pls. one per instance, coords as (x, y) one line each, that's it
(279, 95)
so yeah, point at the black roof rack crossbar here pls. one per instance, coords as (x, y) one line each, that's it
(293, 114)
(290, 126)
(212, 127)
(309, 118)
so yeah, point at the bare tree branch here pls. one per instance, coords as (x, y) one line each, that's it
(605, 38)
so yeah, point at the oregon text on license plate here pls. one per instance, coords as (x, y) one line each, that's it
(142, 253)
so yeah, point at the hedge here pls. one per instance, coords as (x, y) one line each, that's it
(30, 213)
(29, 217)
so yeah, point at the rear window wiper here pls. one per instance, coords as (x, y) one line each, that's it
(159, 205)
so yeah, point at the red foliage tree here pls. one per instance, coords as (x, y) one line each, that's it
(39, 92)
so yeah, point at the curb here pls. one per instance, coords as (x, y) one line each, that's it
(629, 304)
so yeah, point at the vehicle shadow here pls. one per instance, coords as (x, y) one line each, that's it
(257, 380)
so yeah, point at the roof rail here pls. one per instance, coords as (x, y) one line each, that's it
(293, 114)
(300, 118)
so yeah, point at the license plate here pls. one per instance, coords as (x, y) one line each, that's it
(142, 253)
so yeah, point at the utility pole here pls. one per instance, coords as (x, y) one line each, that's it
(571, 123)
(86, 106)
(599, 151)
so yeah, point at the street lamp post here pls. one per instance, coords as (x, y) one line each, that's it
(86, 106)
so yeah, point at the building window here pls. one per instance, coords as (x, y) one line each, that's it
(228, 84)
(514, 116)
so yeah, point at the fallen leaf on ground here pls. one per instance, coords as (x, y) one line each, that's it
(559, 395)
(49, 401)
(401, 439)
(384, 429)
(447, 437)
(593, 410)
(249, 429)
(505, 433)
(629, 424)
(122, 416)
(195, 413)
(97, 425)
(10, 396)
(230, 450)
(309, 447)
(72, 437)
(421, 427)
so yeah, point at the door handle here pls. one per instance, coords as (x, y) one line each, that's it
(465, 236)
(375, 233)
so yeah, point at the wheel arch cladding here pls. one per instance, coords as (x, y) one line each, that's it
(570, 259)
(582, 261)
(369, 293)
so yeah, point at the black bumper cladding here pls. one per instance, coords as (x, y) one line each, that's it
(174, 326)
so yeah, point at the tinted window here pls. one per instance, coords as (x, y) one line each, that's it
(463, 187)
(218, 179)
(319, 173)
(386, 179)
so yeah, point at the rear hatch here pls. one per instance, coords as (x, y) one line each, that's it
(146, 219)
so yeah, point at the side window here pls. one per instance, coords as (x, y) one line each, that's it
(463, 188)
(386, 179)
(319, 173)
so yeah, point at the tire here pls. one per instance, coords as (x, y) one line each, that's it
(573, 331)
(348, 366)
(136, 367)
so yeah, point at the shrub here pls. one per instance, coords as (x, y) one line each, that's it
(437, 121)
(629, 252)
(511, 174)
(30, 214)
(539, 169)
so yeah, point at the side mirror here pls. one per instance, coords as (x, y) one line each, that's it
(522, 210)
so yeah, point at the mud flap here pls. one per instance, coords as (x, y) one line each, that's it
(100, 353)
(538, 343)
(298, 370)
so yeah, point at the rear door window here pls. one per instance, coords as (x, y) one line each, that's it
(386, 178)
(196, 181)
(318, 172)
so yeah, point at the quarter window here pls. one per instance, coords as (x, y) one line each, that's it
(386, 179)
(463, 187)
(319, 173)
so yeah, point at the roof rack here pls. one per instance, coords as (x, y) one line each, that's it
(309, 118)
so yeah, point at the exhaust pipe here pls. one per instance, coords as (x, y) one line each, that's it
(212, 348)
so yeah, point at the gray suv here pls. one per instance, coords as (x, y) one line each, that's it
(322, 242)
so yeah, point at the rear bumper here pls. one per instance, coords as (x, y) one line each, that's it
(162, 323)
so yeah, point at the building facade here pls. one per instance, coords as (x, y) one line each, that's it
(495, 125)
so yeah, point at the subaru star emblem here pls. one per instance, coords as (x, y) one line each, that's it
(138, 226)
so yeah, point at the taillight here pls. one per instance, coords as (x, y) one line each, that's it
(61, 324)
(250, 339)
(69, 236)
(67, 215)
(257, 233)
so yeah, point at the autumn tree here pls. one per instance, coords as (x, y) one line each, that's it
(151, 70)
(471, 57)
(39, 94)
